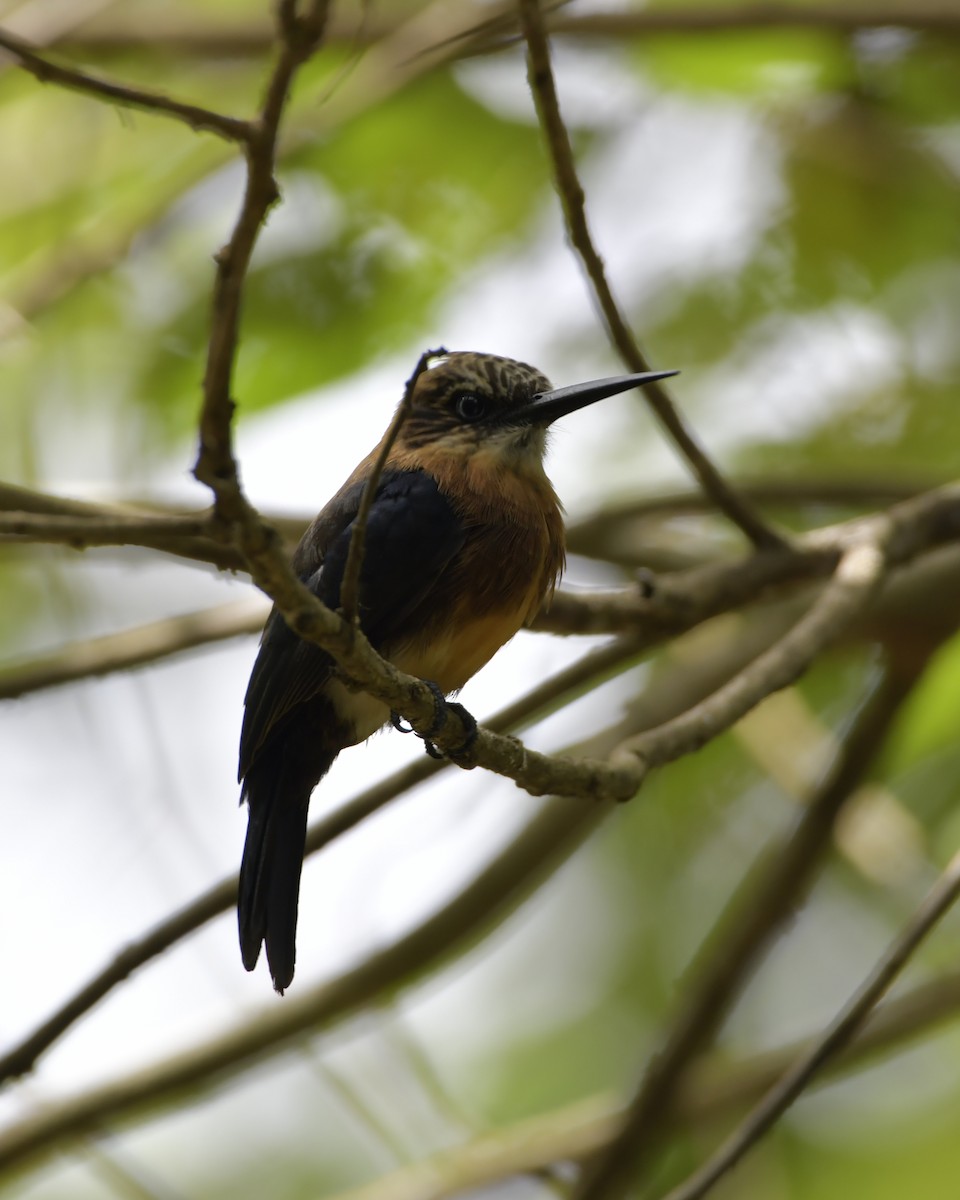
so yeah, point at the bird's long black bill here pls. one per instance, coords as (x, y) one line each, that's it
(550, 406)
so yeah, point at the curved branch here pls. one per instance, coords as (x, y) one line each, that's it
(711, 1090)
(858, 576)
(942, 896)
(570, 190)
(592, 669)
(494, 891)
(201, 119)
(215, 466)
(769, 893)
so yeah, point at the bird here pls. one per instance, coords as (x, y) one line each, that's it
(464, 542)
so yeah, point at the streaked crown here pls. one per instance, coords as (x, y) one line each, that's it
(468, 397)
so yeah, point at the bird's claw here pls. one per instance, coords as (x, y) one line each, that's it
(440, 707)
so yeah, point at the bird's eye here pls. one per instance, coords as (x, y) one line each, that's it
(469, 406)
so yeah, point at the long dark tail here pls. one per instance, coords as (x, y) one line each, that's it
(272, 862)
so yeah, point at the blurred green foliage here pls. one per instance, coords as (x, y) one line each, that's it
(841, 316)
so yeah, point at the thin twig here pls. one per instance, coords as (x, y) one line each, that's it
(765, 899)
(19, 527)
(231, 128)
(836, 1036)
(350, 587)
(593, 669)
(95, 657)
(189, 38)
(15, 499)
(495, 889)
(858, 576)
(584, 1128)
(570, 190)
(216, 466)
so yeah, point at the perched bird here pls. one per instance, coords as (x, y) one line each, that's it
(464, 542)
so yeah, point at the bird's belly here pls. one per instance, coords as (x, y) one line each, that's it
(357, 710)
(448, 658)
(451, 655)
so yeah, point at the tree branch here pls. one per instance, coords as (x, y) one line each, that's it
(96, 657)
(169, 34)
(570, 190)
(94, 519)
(711, 1091)
(836, 1036)
(856, 579)
(593, 669)
(150, 532)
(201, 119)
(496, 889)
(216, 467)
(782, 880)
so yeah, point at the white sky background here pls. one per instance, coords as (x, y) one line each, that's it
(121, 794)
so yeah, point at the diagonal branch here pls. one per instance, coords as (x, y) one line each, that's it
(540, 774)
(858, 576)
(230, 128)
(592, 669)
(583, 1128)
(835, 1038)
(570, 190)
(494, 890)
(95, 657)
(767, 896)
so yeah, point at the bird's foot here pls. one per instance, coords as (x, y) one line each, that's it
(441, 705)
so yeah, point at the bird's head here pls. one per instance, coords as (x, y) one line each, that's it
(470, 402)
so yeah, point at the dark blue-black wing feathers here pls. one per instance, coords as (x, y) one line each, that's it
(291, 732)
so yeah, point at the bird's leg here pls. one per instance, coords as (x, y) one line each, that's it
(441, 705)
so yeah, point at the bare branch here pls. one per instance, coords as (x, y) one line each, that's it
(92, 522)
(837, 1035)
(856, 579)
(592, 669)
(170, 34)
(216, 466)
(151, 532)
(570, 190)
(96, 657)
(580, 1130)
(201, 119)
(496, 889)
(783, 874)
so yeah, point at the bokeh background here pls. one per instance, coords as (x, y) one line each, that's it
(777, 200)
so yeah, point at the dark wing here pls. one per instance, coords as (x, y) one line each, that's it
(413, 532)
